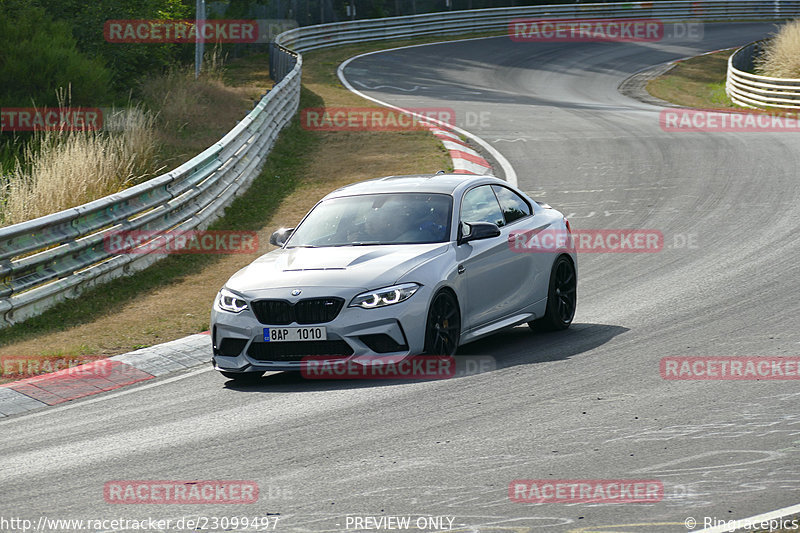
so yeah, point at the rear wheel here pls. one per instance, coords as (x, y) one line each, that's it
(561, 298)
(443, 328)
(243, 377)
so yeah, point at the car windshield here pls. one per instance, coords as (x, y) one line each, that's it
(388, 218)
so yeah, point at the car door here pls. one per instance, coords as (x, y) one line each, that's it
(494, 273)
(534, 268)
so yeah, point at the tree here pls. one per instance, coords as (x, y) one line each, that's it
(38, 55)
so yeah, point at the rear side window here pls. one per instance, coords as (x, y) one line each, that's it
(513, 205)
(480, 205)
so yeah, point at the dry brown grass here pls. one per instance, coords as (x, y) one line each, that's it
(60, 170)
(193, 113)
(781, 56)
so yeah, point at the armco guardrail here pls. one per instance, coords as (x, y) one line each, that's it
(56, 256)
(752, 90)
(456, 22)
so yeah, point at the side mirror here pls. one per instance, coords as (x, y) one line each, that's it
(280, 237)
(477, 230)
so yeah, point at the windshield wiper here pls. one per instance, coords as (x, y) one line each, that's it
(356, 244)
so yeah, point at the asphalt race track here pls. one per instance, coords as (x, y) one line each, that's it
(588, 403)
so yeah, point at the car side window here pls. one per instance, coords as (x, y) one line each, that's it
(480, 205)
(513, 205)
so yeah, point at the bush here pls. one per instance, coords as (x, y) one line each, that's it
(781, 56)
(128, 61)
(40, 55)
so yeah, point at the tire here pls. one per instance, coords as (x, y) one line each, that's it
(443, 326)
(242, 377)
(562, 298)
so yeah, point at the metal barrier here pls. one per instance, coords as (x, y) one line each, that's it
(281, 61)
(752, 90)
(54, 257)
(480, 20)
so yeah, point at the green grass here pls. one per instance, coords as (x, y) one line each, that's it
(718, 96)
(698, 82)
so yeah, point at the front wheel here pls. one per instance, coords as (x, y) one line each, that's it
(561, 298)
(443, 327)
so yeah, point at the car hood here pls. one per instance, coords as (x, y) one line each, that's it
(362, 267)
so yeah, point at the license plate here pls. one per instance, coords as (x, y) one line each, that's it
(295, 334)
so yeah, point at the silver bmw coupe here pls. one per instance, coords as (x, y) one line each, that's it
(401, 265)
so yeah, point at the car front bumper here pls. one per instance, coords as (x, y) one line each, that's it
(395, 330)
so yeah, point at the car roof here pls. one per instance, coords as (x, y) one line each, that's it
(424, 183)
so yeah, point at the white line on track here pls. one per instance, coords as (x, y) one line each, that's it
(508, 170)
(377, 87)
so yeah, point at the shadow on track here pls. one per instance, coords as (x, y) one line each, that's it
(517, 346)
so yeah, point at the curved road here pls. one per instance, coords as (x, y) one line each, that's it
(588, 403)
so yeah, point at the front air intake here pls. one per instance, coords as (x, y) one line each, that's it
(308, 311)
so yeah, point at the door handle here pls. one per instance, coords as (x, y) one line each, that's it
(461, 269)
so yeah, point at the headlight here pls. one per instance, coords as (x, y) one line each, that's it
(386, 296)
(227, 301)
